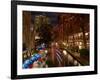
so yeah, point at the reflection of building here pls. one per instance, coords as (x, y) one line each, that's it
(73, 29)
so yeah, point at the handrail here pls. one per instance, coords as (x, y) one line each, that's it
(76, 58)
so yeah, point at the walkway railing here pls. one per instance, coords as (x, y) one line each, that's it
(67, 60)
(73, 59)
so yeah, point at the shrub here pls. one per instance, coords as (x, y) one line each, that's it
(84, 52)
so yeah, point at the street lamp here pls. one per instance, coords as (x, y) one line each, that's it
(46, 51)
(64, 51)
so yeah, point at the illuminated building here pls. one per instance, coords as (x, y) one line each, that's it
(73, 29)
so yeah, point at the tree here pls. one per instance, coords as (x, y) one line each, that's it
(45, 33)
(43, 28)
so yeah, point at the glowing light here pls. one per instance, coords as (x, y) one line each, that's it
(37, 37)
(56, 43)
(25, 56)
(46, 51)
(65, 53)
(79, 34)
(64, 43)
(80, 47)
(86, 34)
(80, 43)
